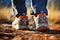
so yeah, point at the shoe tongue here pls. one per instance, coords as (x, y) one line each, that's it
(39, 15)
(21, 17)
(44, 14)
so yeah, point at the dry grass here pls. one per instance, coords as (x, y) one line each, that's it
(54, 14)
(5, 13)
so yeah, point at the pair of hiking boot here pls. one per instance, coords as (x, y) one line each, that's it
(41, 22)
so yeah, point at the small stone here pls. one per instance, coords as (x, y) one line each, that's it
(52, 38)
(46, 35)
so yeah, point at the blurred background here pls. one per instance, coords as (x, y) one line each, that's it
(53, 6)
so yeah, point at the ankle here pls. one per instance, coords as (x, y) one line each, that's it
(44, 14)
(23, 17)
(39, 15)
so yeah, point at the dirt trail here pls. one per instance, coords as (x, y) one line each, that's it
(22, 35)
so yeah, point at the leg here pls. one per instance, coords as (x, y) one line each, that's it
(22, 14)
(40, 14)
